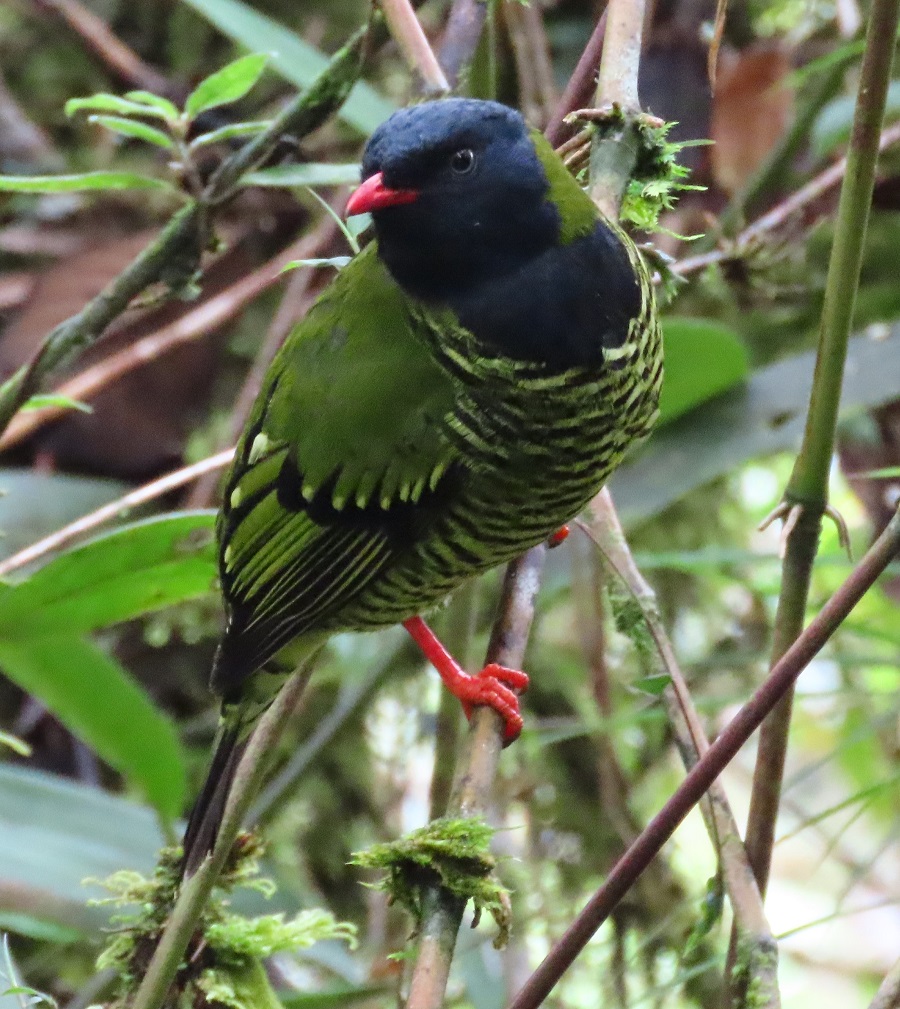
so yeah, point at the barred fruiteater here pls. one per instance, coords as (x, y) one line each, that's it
(462, 389)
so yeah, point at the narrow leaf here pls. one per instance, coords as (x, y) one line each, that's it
(116, 104)
(156, 102)
(53, 399)
(79, 183)
(226, 85)
(93, 695)
(133, 128)
(229, 133)
(304, 175)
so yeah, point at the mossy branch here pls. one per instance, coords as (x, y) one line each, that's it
(174, 257)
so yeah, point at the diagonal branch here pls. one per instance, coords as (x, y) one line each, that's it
(709, 767)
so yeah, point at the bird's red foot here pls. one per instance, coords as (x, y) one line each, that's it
(494, 686)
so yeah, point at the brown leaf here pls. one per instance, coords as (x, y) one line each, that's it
(751, 110)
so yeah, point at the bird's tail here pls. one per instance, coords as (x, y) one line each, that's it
(206, 815)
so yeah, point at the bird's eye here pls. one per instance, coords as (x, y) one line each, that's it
(462, 162)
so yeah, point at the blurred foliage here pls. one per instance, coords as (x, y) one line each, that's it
(105, 646)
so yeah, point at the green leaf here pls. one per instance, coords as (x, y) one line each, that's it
(653, 685)
(160, 106)
(96, 698)
(79, 183)
(123, 574)
(758, 418)
(296, 60)
(43, 400)
(229, 133)
(304, 175)
(57, 833)
(703, 359)
(122, 106)
(834, 123)
(133, 128)
(226, 85)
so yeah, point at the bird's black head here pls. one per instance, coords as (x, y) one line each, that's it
(457, 195)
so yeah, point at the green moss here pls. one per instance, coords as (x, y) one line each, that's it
(223, 964)
(455, 853)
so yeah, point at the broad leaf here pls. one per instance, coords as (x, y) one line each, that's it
(229, 84)
(57, 833)
(133, 128)
(79, 183)
(304, 175)
(703, 359)
(133, 570)
(764, 415)
(296, 60)
(96, 698)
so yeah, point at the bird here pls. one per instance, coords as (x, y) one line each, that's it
(459, 392)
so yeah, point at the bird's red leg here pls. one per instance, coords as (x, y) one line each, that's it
(494, 686)
(560, 536)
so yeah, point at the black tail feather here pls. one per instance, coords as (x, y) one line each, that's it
(206, 816)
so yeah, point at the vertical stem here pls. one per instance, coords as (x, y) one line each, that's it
(808, 484)
(476, 770)
(188, 909)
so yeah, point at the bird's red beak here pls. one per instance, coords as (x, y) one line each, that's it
(373, 194)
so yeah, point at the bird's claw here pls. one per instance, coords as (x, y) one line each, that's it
(495, 687)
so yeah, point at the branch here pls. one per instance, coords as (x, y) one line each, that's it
(464, 27)
(759, 947)
(185, 915)
(407, 32)
(806, 495)
(709, 767)
(581, 84)
(193, 325)
(476, 770)
(176, 252)
(775, 218)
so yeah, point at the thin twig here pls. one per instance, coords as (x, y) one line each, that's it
(175, 254)
(581, 84)
(464, 27)
(97, 36)
(709, 767)
(476, 770)
(407, 32)
(182, 922)
(780, 214)
(117, 509)
(759, 948)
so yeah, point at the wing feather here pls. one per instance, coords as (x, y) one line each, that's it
(343, 467)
